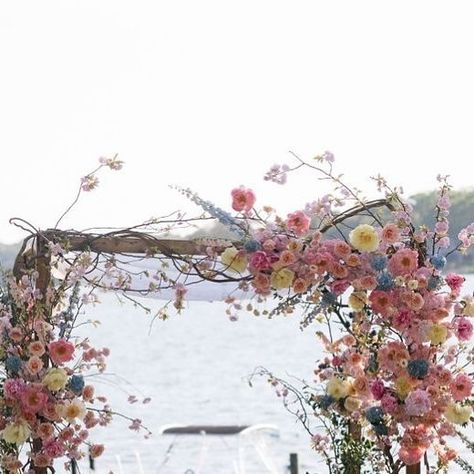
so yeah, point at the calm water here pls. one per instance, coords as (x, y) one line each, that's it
(194, 366)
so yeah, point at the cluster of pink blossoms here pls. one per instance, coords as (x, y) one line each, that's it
(396, 368)
(45, 399)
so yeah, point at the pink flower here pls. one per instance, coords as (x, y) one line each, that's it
(403, 262)
(389, 403)
(61, 351)
(96, 450)
(377, 389)
(33, 398)
(53, 448)
(390, 234)
(34, 365)
(461, 387)
(45, 430)
(454, 281)
(243, 199)
(411, 455)
(402, 319)
(417, 403)
(463, 328)
(442, 227)
(36, 348)
(338, 287)
(260, 261)
(13, 388)
(298, 222)
(381, 301)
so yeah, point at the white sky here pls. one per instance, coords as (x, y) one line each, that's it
(209, 94)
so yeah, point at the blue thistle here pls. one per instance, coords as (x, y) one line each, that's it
(252, 246)
(13, 364)
(438, 262)
(325, 401)
(379, 262)
(418, 368)
(380, 429)
(374, 415)
(76, 384)
(385, 281)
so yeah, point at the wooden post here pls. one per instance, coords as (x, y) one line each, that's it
(414, 469)
(294, 463)
(42, 265)
(355, 433)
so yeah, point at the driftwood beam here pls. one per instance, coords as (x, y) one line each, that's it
(135, 243)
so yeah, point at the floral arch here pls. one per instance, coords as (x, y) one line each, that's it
(393, 387)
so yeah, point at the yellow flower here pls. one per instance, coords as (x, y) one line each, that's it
(357, 300)
(364, 238)
(234, 260)
(55, 379)
(71, 410)
(437, 334)
(282, 279)
(458, 414)
(16, 433)
(338, 388)
(352, 404)
(403, 386)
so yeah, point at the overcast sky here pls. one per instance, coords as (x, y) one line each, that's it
(209, 94)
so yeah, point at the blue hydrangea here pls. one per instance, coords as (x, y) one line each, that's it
(329, 298)
(379, 262)
(434, 282)
(374, 415)
(380, 429)
(438, 261)
(252, 246)
(385, 281)
(418, 368)
(325, 401)
(76, 384)
(13, 364)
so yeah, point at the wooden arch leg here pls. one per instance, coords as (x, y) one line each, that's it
(415, 469)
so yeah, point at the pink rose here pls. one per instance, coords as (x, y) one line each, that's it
(260, 260)
(243, 199)
(454, 281)
(298, 222)
(377, 388)
(463, 329)
(61, 351)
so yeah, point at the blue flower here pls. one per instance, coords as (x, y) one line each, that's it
(418, 368)
(438, 261)
(13, 364)
(434, 282)
(76, 384)
(252, 246)
(379, 262)
(325, 402)
(385, 281)
(374, 415)
(329, 298)
(380, 429)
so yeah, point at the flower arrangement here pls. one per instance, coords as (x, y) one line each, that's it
(396, 379)
(395, 382)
